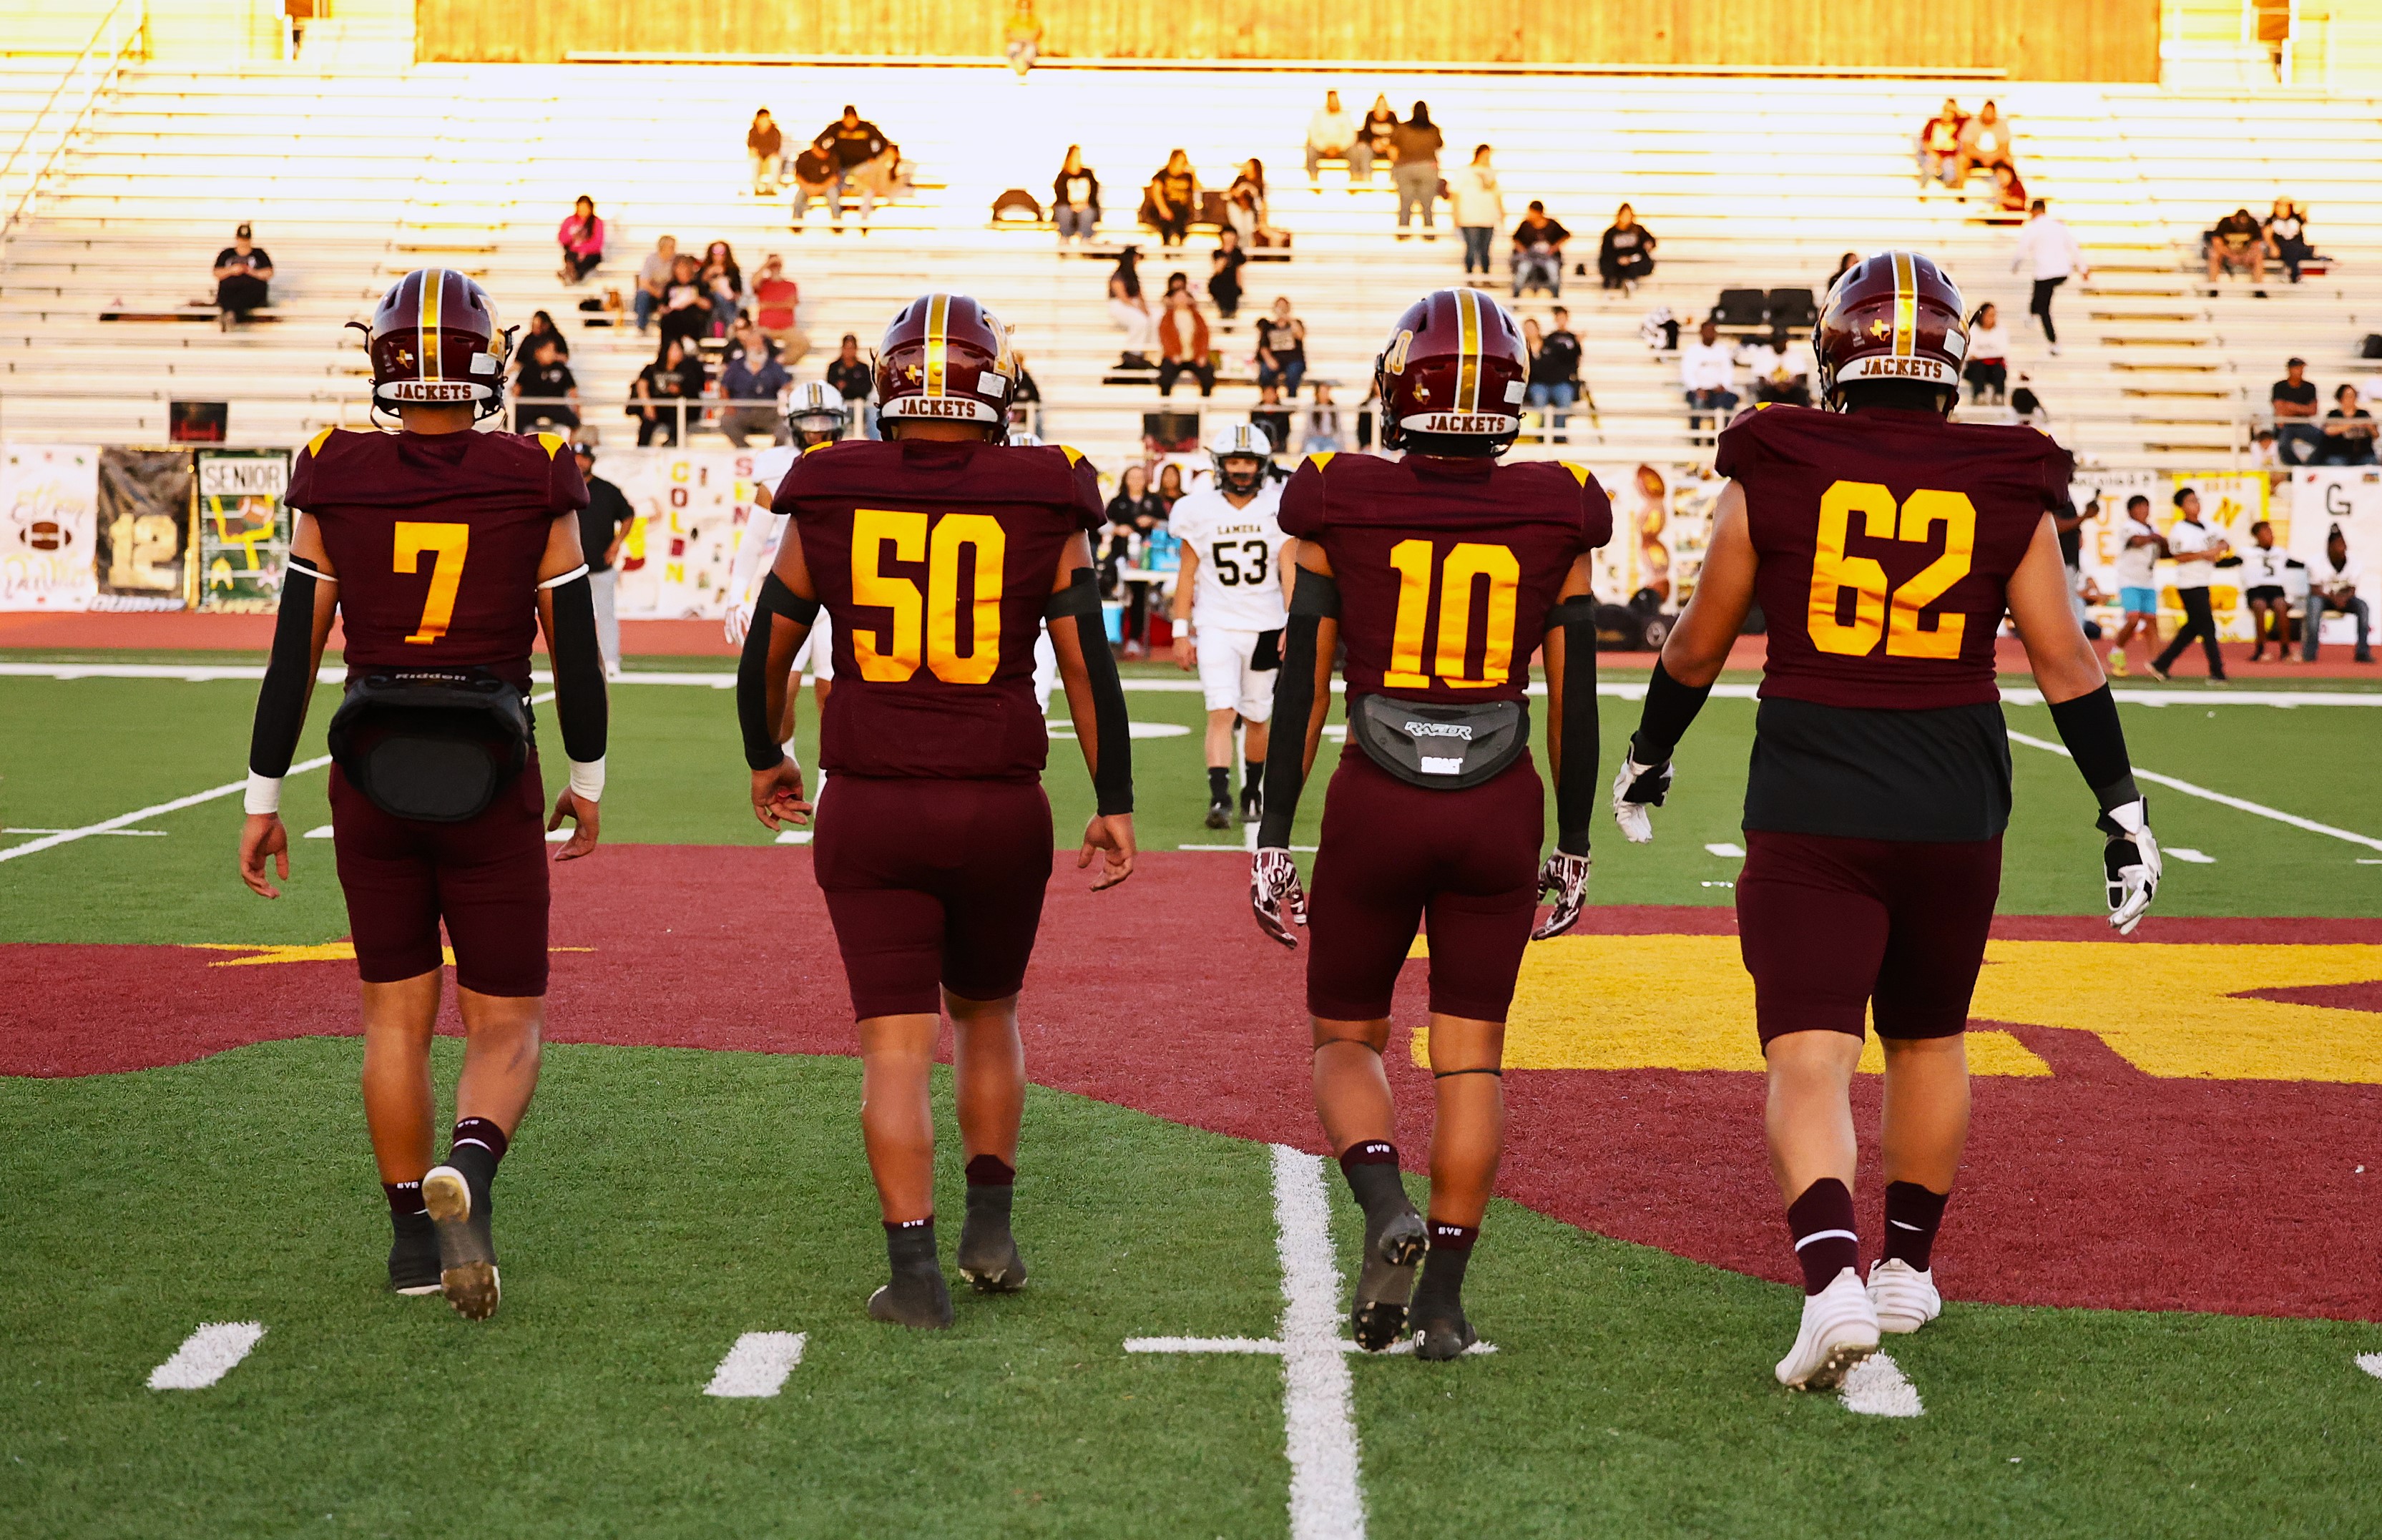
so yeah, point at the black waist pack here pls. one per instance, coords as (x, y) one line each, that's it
(1442, 748)
(432, 745)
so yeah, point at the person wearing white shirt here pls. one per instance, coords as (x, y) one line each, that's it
(2261, 587)
(1229, 607)
(2048, 250)
(2136, 568)
(1333, 131)
(1708, 370)
(1478, 206)
(2333, 581)
(815, 415)
(2196, 549)
(1987, 369)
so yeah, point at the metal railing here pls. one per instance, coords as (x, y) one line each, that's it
(118, 33)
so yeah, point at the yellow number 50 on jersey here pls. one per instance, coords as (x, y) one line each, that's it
(927, 625)
(1832, 571)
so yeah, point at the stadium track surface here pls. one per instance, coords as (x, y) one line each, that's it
(2095, 1186)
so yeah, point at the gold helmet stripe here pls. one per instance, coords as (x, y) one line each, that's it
(433, 288)
(938, 320)
(1468, 331)
(1906, 305)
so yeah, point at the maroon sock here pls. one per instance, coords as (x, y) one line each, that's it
(480, 1132)
(991, 1171)
(1822, 1220)
(1913, 1213)
(404, 1198)
(1371, 1167)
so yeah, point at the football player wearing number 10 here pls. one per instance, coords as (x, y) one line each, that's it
(938, 551)
(1443, 572)
(1884, 544)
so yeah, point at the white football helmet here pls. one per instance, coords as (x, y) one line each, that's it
(815, 413)
(1245, 442)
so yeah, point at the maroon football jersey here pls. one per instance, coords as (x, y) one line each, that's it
(436, 540)
(1446, 568)
(936, 559)
(1887, 541)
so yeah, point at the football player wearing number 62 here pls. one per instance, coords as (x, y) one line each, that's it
(1884, 544)
(1228, 608)
(939, 550)
(442, 550)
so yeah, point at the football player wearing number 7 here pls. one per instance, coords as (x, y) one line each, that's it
(1443, 572)
(443, 551)
(938, 551)
(1884, 544)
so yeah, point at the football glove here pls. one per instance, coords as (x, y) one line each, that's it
(1566, 876)
(739, 621)
(2131, 863)
(1637, 790)
(1273, 883)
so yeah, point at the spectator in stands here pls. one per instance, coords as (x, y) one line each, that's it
(1334, 134)
(2263, 454)
(1282, 354)
(1322, 435)
(1554, 369)
(541, 325)
(2049, 251)
(1774, 373)
(1988, 370)
(775, 298)
(852, 141)
(603, 525)
(2299, 439)
(750, 371)
(1130, 310)
(2009, 193)
(765, 146)
(1845, 265)
(2348, 431)
(2028, 407)
(1367, 410)
(243, 273)
(723, 282)
(1414, 152)
(854, 381)
(1939, 146)
(1625, 256)
(817, 176)
(1075, 199)
(1538, 254)
(675, 376)
(653, 279)
(1271, 414)
(1477, 207)
(1984, 143)
(546, 394)
(580, 237)
(2332, 586)
(1245, 206)
(686, 302)
(1172, 200)
(2286, 236)
(2261, 589)
(2195, 549)
(2237, 242)
(1022, 38)
(1224, 274)
(1183, 344)
(1708, 370)
(1381, 122)
(878, 180)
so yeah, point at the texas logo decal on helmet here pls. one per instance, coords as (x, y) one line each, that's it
(435, 342)
(1455, 366)
(1894, 316)
(945, 356)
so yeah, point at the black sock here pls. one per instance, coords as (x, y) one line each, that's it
(910, 1245)
(404, 1199)
(1371, 1167)
(1912, 1215)
(1219, 783)
(1442, 1268)
(1822, 1220)
(1252, 776)
(992, 1183)
(477, 1146)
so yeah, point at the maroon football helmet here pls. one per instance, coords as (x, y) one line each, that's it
(1892, 317)
(946, 356)
(1454, 367)
(435, 341)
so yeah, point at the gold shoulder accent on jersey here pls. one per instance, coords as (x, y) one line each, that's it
(1578, 473)
(1763, 405)
(554, 444)
(314, 444)
(1320, 459)
(822, 444)
(1074, 456)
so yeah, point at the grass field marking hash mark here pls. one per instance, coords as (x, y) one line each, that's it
(141, 816)
(207, 1355)
(2371, 1363)
(1877, 1387)
(758, 1366)
(2189, 789)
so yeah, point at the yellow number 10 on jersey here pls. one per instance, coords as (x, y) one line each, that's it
(927, 625)
(1466, 563)
(1832, 571)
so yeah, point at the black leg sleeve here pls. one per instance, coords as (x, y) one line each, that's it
(580, 701)
(762, 750)
(1312, 598)
(2089, 727)
(1670, 709)
(281, 701)
(1113, 729)
(1575, 786)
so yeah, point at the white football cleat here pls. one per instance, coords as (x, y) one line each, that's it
(1840, 1329)
(1904, 1297)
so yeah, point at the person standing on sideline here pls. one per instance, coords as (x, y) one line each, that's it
(1228, 608)
(1477, 208)
(603, 525)
(2195, 549)
(1333, 132)
(2332, 585)
(1416, 144)
(2137, 566)
(2048, 250)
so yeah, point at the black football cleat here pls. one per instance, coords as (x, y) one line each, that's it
(1252, 804)
(913, 1298)
(414, 1255)
(1377, 1317)
(467, 1253)
(988, 1257)
(1442, 1332)
(1220, 812)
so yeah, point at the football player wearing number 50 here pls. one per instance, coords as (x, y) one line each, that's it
(1884, 544)
(1442, 572)
(1228, 608)
(442, 550)
(938, 551)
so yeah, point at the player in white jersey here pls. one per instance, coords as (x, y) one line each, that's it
(814, 416)
(1229, 607)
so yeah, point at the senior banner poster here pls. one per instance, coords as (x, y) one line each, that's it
(48, 493)
(243, 527)
(675, 561)
(2343, 498)
(1662, 520)
(144, 528)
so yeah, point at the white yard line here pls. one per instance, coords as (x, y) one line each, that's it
(758, 1366)
(143, 815)
(2371, 1363)
(1875, 1388)
(207, 1355)
(1202, 1345)
(1317, 1397)
(2239, 803)
(122, 834)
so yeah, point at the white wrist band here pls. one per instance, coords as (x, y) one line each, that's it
(587, 779)
(263, 793)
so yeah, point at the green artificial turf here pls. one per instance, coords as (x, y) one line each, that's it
(661, 1201)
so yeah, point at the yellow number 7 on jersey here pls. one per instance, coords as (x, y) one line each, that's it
(1832, 571)
(451, 542)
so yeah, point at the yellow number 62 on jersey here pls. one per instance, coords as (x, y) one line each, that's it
(1874, 615)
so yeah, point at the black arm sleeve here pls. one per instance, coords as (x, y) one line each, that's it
(1575, 786)
(2089, 726)
(1670, 709)
(1313, 598)
(762, 750)
(580, 701)
(1111, 730)
(281, 702)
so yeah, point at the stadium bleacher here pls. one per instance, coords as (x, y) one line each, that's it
(354, 172)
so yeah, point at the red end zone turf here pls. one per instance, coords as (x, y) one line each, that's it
(2096, 1185)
